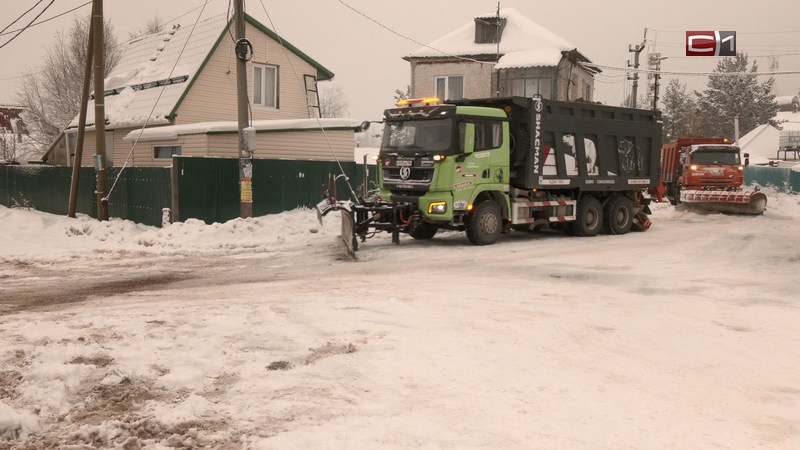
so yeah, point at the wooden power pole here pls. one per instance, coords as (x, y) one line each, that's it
(72, 208)
(243, 53)
(99, 110)
(636, 50)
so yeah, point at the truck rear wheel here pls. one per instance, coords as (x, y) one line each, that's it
(484, 224)
(423, 230)
(617, 215)
(588, 218)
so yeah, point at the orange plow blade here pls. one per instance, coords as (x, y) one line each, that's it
(736, 202)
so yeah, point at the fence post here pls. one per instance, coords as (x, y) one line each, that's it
(175, 188)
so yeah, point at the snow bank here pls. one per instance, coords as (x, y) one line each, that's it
(51, 237)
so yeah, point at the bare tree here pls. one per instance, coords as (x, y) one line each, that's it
(51, 94)
(333, 102)
(402, 95)
(154, 25)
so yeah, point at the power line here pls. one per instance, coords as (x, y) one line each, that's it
(29, 23)
(738, 32)
(21, 16)
(308, 102)
(412, 39)
(628, 69)
(149, 116)
(48, 19)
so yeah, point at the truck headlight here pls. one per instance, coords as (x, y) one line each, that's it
(437, 208)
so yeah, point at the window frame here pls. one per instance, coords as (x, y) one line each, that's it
(155, 152)
(446, 79)
(262, 101)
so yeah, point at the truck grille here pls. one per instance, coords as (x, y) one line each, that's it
(417, 175)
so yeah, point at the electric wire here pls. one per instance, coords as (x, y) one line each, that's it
(665, 72)
(48, 19)
(308, 103)
(150, 115)
(412, 39)
(29, 24)
(21, 16)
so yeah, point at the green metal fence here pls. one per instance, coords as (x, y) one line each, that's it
(140, 194)
(200, 188)
(46, 188)
(780, 178)
(208, 188)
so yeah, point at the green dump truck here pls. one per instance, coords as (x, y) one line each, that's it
(487, 166)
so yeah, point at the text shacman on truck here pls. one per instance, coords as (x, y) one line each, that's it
(486, 166)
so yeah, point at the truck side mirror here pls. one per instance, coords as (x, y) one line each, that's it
(747, 159)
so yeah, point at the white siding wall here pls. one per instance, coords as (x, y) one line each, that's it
(213, 95)
(300, 145)
(477, 77)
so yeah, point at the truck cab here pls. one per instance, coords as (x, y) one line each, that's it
(712, 166)
(440, 158)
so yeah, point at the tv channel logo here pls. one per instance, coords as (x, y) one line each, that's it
(710, 43)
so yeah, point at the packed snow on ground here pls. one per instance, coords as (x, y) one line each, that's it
(257, 333)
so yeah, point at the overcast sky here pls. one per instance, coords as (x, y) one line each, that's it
(367, 59)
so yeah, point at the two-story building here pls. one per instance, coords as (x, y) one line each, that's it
(175, 93)
(498, 55)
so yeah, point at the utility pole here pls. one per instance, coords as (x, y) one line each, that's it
(99, 110)
(72, 207)
(654, 65)
(636, 50)
(244, 51)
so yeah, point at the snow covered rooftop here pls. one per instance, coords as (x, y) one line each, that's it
(155, 71)
(172, 132)
(783, 117)
(524, 43)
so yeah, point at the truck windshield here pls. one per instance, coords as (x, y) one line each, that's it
(715, 157)
(418, 135)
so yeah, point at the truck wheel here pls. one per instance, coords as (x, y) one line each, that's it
(617, 215)
(484, 224)
(668, 192)
(423, 230)
(589, 217)
(674, 193)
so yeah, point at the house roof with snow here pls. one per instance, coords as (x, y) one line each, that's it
(156, 71)
(523, 43)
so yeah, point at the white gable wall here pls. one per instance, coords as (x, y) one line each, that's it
(213, 96)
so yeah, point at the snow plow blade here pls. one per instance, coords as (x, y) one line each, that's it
(735, 202)
(348, 235)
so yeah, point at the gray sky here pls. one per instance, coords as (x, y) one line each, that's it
(366, 58)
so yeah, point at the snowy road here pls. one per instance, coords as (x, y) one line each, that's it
(257, 334)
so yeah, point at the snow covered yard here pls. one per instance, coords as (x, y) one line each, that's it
(257, 334)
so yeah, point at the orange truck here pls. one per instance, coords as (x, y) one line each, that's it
(708, 172)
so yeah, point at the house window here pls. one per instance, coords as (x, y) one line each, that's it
(488, 30)
(528, 87)
(265, 85)
(587, 92)
(450, 88)
(166, 151)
